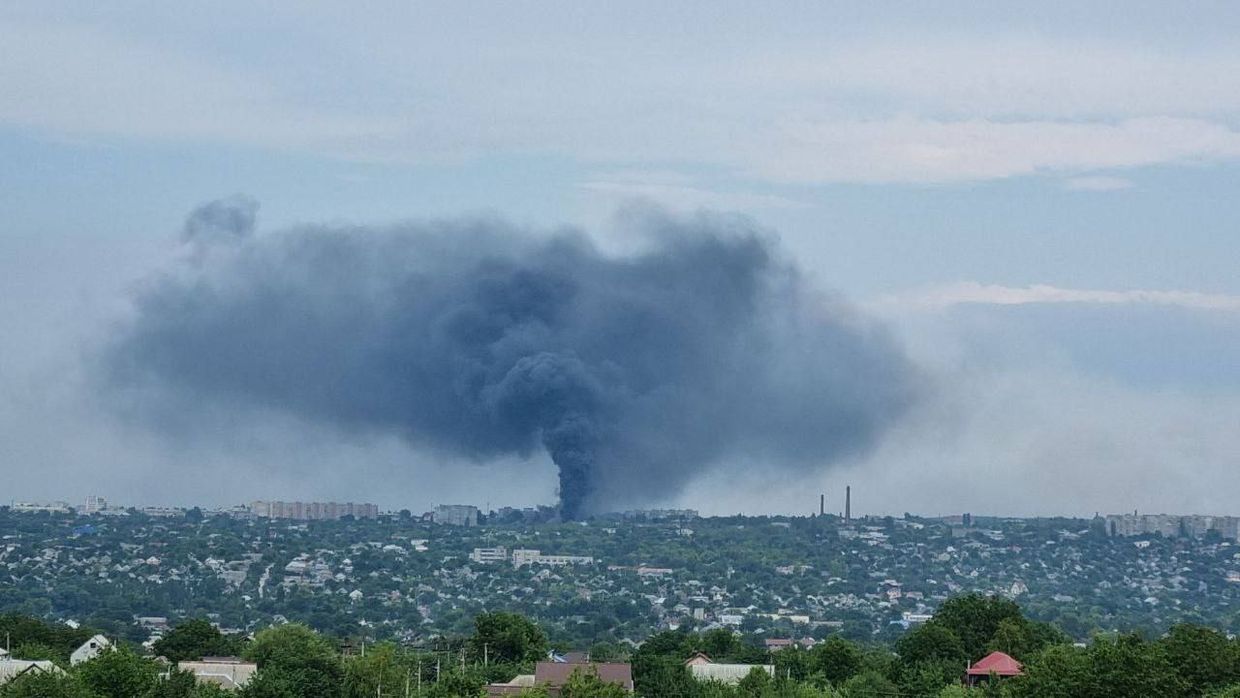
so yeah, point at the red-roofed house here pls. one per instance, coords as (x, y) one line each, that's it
(775, 644)
(996, 664)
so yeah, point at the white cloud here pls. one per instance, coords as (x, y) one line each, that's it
(970, 292)
(680, 195)
(1012, 75)
(1098, 183)
(921, 151)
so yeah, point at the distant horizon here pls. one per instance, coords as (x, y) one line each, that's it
(393, 511)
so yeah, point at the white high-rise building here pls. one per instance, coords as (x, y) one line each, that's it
(455, 515)
(94, 504)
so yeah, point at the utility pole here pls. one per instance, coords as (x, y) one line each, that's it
(485, 656)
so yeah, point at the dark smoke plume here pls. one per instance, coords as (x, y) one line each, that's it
(636, 373)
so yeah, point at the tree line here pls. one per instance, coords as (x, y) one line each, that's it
(929, 661)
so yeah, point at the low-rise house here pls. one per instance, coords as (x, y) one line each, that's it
(553, 676)
(703, 669)
(89, 650)
(996, 664)
(12, 668)
(774, 644)
(229, 673)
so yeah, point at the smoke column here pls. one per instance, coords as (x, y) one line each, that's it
(635, 373)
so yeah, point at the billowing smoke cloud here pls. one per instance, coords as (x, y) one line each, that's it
(636, 373)
(221, 221)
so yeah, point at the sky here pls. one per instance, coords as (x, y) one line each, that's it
(1036, 200)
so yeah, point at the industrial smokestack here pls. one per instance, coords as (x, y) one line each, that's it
(822, 504)
(848, 503)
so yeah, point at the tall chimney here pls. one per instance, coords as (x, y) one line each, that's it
(848, 502)
(822, 504)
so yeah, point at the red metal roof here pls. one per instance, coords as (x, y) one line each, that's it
(996, 663)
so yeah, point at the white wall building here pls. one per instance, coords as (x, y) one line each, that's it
(94, 504)
(486, 555)
(89, 650)
(535, 557)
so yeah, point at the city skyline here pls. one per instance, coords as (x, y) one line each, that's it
(1126, 523)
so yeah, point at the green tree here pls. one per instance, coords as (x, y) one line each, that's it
(195, 639)
(837, 659)
(975, 619)
(379, 672)
(507, 637)
(1130, 666)
(40, 684)
(927, 678)
(293, 658)
(720, 644)
(869, 684)
(1059, 671)
(21, 630)
(119, 673)
(755, 683)
(459, 684)
(1012, 638)
(584, 683)
(1204, 659)
(931, 643)
(37, 651)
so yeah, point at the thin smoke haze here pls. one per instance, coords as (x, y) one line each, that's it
(472, 337)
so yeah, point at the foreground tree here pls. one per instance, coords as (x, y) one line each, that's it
(1059, 671)
(587, 684)
(119, 673)
(932, 643)
(869, 684)
(1130, 666)
(836, 659)
(195, 639)
(46, 685)
(975, 619)
(381, 672)
(1204, 658)
(293, 660)
(507, 637)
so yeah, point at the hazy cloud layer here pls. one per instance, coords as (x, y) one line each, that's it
(970, 292)
(971, 101)
(1044, 409)
(475, 339)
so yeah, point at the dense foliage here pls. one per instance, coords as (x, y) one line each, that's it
(929, 661)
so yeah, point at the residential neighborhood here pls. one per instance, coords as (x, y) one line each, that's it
(611, 580)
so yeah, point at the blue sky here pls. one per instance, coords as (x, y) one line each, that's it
(1071, 166)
